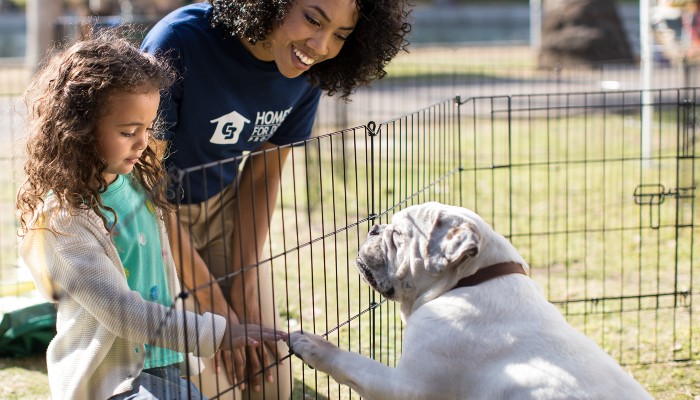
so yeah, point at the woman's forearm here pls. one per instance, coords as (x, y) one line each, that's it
(257, 196)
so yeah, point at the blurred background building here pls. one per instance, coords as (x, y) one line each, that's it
(435, 22)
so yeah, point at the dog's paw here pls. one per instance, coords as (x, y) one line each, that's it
(310, 348)
(295, 343)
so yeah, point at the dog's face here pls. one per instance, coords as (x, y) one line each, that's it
(425, 248)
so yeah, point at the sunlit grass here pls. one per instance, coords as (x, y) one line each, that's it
(563, 191)
(559, 182)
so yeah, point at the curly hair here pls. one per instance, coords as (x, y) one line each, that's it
(64, 102)
(378, 37)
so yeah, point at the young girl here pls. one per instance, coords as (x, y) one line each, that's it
(93, 234)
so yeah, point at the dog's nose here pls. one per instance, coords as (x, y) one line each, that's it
(374, 230)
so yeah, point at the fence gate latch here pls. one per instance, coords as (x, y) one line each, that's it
(653, 195)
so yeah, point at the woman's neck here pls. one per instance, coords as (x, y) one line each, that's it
(258, 50)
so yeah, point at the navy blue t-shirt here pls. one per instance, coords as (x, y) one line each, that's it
(225, 102)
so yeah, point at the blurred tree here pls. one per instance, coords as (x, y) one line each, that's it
(578, 32)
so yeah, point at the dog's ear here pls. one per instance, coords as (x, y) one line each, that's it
(451, 239)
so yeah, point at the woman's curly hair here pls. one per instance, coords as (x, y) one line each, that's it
(64, 103)
(378, 37)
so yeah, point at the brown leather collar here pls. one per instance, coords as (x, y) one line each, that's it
(490, 272)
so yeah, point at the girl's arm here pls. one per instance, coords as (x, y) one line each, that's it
(84, 266)
(92, 279)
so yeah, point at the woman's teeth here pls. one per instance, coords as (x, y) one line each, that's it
(304, 59)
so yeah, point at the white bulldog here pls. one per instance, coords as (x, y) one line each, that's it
(477, 327)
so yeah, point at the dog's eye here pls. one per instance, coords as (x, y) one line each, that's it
(396, 235)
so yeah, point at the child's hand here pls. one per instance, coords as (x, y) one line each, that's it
(238, 336)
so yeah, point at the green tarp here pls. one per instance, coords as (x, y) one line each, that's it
(27, 330)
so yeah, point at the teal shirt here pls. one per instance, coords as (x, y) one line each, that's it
(138, 244)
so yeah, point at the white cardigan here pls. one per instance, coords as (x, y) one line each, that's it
(102, 325)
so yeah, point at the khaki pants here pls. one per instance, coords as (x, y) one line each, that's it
(213, 227)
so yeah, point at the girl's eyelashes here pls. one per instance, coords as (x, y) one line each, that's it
(150, 130)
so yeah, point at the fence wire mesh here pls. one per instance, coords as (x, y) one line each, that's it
(601, 204)
(601, 207)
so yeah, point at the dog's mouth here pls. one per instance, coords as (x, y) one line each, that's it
(368, 277)
(366, 274)
(389, 294)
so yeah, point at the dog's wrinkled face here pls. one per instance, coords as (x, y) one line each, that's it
(419, 250)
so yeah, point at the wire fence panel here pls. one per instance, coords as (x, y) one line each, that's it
(601, 207)
(600, 203)
(604, 215)
(333, 188)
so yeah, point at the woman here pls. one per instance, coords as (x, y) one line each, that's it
(252, 75)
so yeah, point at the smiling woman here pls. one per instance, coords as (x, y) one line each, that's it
(240, 62)
(311, 33)
(369, 41)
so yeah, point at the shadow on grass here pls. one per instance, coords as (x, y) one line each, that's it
(36, 362)
(302, 392)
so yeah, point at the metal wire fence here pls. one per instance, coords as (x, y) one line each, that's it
(604, 215)
(602, 207)
(601, 204)
(334, 187)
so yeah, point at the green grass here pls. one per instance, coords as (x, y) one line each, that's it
(618, 271)
(24, 378)
(446, 62)
(559, 184)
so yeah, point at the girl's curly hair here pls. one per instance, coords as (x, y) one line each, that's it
(65, 101)
(378, 37)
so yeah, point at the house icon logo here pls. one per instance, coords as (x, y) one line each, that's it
(228, 128)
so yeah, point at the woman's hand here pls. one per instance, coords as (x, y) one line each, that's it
(233, 361)
(239, 336)
(236, 338)
(260, 359)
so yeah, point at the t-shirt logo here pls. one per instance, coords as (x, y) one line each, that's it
(228, 128)
(266, 123)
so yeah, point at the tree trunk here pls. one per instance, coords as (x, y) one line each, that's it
(576, 32)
